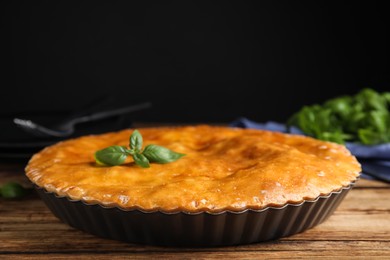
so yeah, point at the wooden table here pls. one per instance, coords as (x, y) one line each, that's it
(359, 227)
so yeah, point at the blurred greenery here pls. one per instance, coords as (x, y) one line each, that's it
(13, 190)
(362, 118)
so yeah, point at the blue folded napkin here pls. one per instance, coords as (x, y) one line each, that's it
(375, 159)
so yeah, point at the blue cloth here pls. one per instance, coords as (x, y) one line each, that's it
(375, 159)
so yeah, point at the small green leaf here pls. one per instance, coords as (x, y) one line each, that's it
(113, 155)
(13, 190)
(141, 160)
(130, 151)
(136, 141)
(386, 96)
(368, 136)
(159, 154)
(377, 120)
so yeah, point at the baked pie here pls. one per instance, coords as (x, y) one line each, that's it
(229, 177)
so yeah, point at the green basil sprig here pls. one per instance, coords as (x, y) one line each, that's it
(116, 155)
(13, 190)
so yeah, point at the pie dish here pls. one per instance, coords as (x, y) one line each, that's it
(234, 186)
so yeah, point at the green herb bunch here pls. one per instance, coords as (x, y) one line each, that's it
(116, 155)
(13, 190)
(363, 118)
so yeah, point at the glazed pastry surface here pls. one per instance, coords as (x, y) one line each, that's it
(224, 169)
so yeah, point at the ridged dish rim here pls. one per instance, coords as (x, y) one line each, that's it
(173, 212)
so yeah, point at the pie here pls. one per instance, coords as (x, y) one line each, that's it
(223, 169)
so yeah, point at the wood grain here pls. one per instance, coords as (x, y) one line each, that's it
(360, 228)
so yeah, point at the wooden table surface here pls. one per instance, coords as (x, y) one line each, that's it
(360, 227)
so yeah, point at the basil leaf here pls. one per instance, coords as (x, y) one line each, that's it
(113, 155)
(13, 190)
(141, 160)
(368, 136)
(159, 154)
(136, 141)
(386, 96)
(130, 151)
(377, 120)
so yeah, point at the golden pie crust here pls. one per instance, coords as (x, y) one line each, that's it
(224, 169)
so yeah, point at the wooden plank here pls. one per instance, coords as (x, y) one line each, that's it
(363, 183)
(291, 250)
(367, 200)
(103, 245)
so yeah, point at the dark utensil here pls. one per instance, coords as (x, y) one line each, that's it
(66, 128)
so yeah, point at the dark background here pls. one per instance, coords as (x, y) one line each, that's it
(197, 61)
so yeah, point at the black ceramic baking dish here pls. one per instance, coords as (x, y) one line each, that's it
(193, 229)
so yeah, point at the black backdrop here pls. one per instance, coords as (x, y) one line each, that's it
(197, 61)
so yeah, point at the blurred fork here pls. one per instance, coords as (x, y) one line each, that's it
(66, 128)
